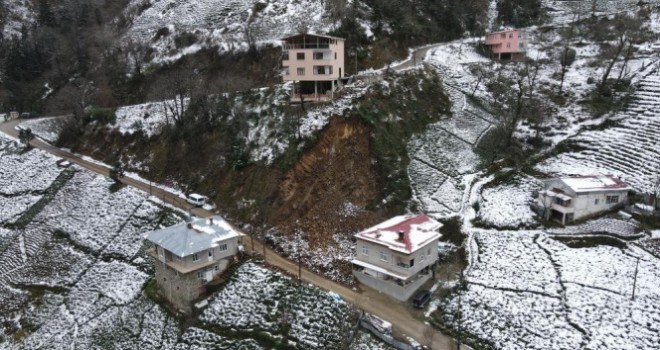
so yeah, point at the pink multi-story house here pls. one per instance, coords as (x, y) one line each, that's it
(508, 44)
(315, 62)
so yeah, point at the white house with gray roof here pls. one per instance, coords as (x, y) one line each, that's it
(190, 255)
(572, 198)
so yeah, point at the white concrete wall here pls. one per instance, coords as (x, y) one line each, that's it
(430, 252)
(389, 287)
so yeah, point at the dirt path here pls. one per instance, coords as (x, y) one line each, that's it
(369, 301)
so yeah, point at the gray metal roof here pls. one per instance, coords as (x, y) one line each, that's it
(193, 237)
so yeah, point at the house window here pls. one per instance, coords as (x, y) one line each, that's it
(503, 36)
(365, 250)
(285, 56)
(222, 247)
(335, 55)
(318, 55)
(195, 257)
(384, 257)
(285, 70)
(510, 35)
(300, 71)
(508, 44)
(322, 70)
(161, 253)
(216, 268)
(210, 253)
(596, 201)
(200, 275)
(422, 257)
(300, 56)
(612, 199)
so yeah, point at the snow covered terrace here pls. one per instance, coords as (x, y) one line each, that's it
(404, 233)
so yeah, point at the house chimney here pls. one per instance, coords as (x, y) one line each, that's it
(211, 221)
(190, 225)
(401, 233)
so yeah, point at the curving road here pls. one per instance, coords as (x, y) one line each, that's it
(404, 323)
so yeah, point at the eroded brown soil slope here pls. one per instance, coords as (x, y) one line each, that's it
(328, 189)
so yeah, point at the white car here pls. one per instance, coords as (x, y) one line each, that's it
(197, 199)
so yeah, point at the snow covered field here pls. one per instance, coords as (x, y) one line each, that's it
(526, 290)
(257, 298)
(220, 23)
(442, 158)
(630, 149)
(74, 277)
(508, 205)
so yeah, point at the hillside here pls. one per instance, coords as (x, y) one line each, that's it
(429, 124)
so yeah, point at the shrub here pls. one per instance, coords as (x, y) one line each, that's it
(100, 115)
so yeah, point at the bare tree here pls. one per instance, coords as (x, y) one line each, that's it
(626, 29)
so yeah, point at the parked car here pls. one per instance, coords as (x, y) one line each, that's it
(196, 199)
(421, 298)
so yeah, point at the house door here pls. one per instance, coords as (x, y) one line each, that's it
(209, 275)
(339, 72)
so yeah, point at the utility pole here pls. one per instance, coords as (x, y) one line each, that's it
(635, 279)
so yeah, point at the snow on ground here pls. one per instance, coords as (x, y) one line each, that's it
(146, 117)
(19, 13)
(46, 128)
(20, 173)
(629, 149)
(256, 297)
(87, 211)
(332, 261)
(526, 290)
(509, 205)
(220, 23)
(612, 226)
(443, 154)
(564, 12)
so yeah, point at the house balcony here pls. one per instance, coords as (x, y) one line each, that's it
(180, 266)
(393, 284)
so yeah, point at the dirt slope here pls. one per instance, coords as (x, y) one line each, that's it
(327, 190)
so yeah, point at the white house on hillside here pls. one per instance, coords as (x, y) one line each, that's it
(396, 257)
(572, 198)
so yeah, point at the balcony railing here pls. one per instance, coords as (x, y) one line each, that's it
(306, 46)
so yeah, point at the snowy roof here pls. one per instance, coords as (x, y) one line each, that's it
(506, 30)
(417, 231)
(193, 237)
(312, 34)
(594, 183)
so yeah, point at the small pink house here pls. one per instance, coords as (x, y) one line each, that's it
(508, 44)
(315, 62)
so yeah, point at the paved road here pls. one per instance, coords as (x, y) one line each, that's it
(370, 301)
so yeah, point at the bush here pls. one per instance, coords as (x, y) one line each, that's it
(100, 115)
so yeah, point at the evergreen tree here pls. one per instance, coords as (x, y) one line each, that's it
(45, 15)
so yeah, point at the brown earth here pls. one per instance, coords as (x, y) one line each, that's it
(328, 189)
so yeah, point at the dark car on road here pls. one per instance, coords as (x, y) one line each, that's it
(421, 298)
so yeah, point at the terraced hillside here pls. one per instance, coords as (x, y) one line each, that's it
(566, 11)
(443, 157)
(630, 149)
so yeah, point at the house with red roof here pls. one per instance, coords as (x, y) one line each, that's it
(572, 198)
(396, 257)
